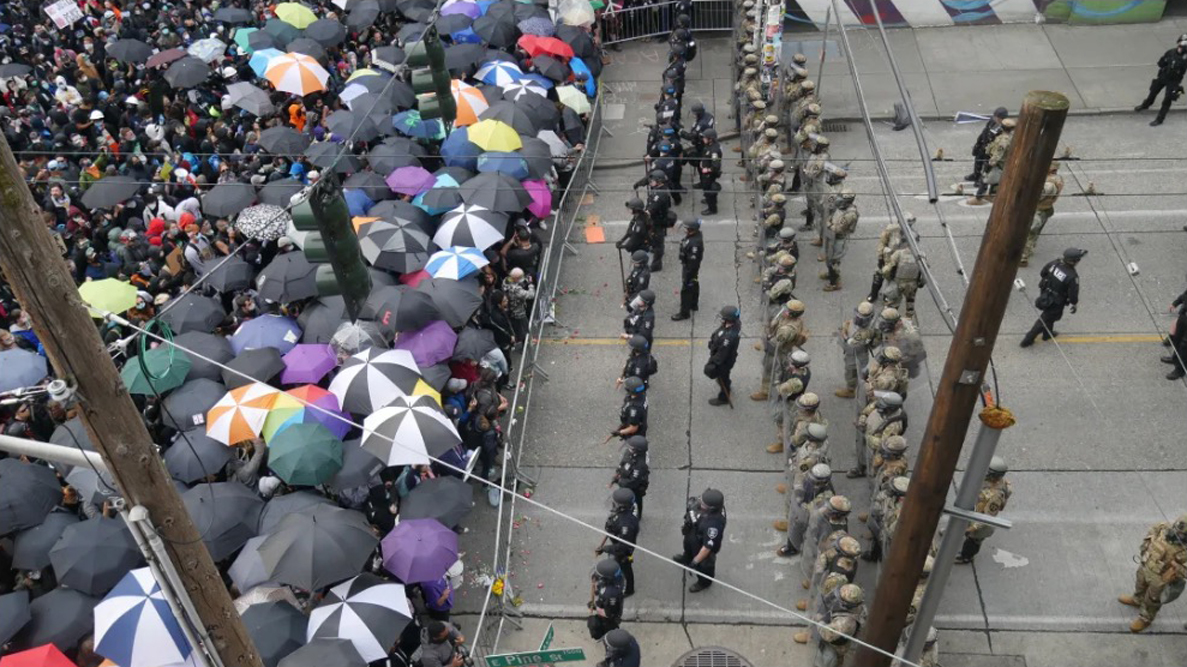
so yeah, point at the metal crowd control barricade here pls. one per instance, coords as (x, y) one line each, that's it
(619, 23)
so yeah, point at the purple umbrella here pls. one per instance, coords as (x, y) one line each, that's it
(429, 345)
(468, 8)
(411, 180)
(541, 205)
(266, 331)
(419, 550)
(308, 364)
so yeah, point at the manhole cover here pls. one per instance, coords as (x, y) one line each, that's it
(712, 656)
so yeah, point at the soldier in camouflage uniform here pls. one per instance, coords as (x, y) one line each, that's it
(808, 125)
(885, 373)
(1163, 569)
(888, 463)
(785, 332)
(772, 179)
(858, 337)
(826, 203)
(838, 555)
(813, 452)
(998, 150)
(813, 181)
(832, 516)
(917, 597)
(888, 241)
(794, 78)
(813, 490)
(759, 151)
(884, 518)
(841, 224)
(995, 493)
(880, 419)
(903, 277)
(795, 376)
(772, 215)
(782, 285)
(1046, 208)
(807, 412)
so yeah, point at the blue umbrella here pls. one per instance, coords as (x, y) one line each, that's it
(484, 5)
(442, 197)
(509, 163)
(410, 124)
(357, 201)
(260, 59)
(537, 25)
(578, 66)
(456, 262)
(134, 626)
(499, 72)
(466, 36)
(275, 331)
(459, 151)
(544, 81)
(22, 368)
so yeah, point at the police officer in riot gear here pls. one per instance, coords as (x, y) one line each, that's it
(641, 319)
(1059, 286)
(704, 532)
(632, 416)
(621, 650)
(723, 353)
(633, 471)
(637, 230)
(640, 363)
(640, 276)
(702, 120)
(605, 598)
(623, 526)
(692, 251)
(657, 205)
(667, 109)
(709, 170)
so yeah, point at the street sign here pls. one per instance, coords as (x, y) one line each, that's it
(547, 641)
(535, 657)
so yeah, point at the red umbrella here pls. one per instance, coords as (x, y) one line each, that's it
(42, 656)
(536, 45)
(165, 57)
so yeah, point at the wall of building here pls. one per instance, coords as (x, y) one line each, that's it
(918, 13)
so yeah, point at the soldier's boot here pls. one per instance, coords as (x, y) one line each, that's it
(816, 242)
(775, 448)
(801, 605)
(823, 275)
(758, 346)
(806, 584)
(1139, 624)
(855, 473)
(737, 149)
(750, 255)
(787, 551)
(1128, 600)
(832, 287)
(820, 257)
(847, 392)
(863, 517)
(760, 395)
(802, 636)
(781, 487)
(780, 526)
(976, 201)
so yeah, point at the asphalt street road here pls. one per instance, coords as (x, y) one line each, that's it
(1096, 456)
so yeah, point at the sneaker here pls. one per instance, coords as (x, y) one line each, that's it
(787, 551)
(698, 587)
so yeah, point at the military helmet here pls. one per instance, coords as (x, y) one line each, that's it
(1009, 124)
(817, 432)
(800, 358)
(838, 505)
(892, 353)
(779, 198)
(799, 59)
(889, 400)
(697, 107)
(657, 175)
(799, 72)
(638, 341)
(808, 400)
(849, 546)
(749, 47)
(710, 134)
(771, 119)
(647, 296)
(813, 109)
(607, 568)
(751, 59)
(808, 85)
(771, 220)
(633, 385)
(1179, 527)
(713, 498)
(847, 194)
(623, 497)
(929, 564)
(787, 233)
(770, 133)
(749, 71)
(890, 315)
(730, 313)
(894, 445)
(637, 443)
(899, 485)
(865, 308)
(820, 471)
(759, 104)
(998, 467)
(787, 261)
(639, 256)
(851, 594)
(635, 204)
(684, 20)
(619, 639)
(777, 165)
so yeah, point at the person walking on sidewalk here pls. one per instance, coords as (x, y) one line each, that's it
(1059, 286)
(993, 127)
(1171, 68)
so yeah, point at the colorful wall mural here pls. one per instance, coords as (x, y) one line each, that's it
(918, 13)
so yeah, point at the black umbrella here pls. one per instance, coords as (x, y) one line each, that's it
(92, 556)
(163, 58)
(509, 112)
(359, 468)
(227, 199)
(277, 629)
(540, 108)
(456, 300)
(421, 12)
(320, 320)
(377, 109)
(187, 72)
(109, 191)
(30, 550)
(251, 99)
(577, 38)
(400, 93)
(459, 174)
(289, 277)
(441, 198)
(309, 47)
(28, 491)
(362, 15)
(388, 57)
(208, 345)
(402, 249)
(14, 69)
(283, 141)
(14, 614)
(393, 153)
(186, 406)
(437, 375)
(195, 455)
(260, 40)
(280, 193)
(281, 31)
(401, 213)
(496, 191)
(551, 67)
(504, 9)
(225, 513)
(497, 31)
(451, 23)
(290, 503)
(233, 15)
(327, 154)
(399, 308)
(410, 32)
(473, 343)
(71, 434)
(193, 313)
(129, 51)
(230, 275)
(461, 56)
(323, 651)
(538, 156)
(372, 184)
(353, 125)
(326, 32)
(262, 364)
(318, 547)
(92, 486)
(61, 617)
(446, 499)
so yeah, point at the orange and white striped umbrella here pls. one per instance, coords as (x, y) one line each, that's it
(470, 102)
(239, 415)
(296, 73)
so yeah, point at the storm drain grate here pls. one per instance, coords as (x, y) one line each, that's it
(834, 127)
(711, 657)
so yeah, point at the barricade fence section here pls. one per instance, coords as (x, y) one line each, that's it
(622, 23)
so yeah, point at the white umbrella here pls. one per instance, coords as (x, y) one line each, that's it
(473, 226)
(555, 144)
(207, 50)
(456, 262)
(366, 610)
(134, 626)
(374, 378)
(517, 89)
(575, 12)
(408, 432)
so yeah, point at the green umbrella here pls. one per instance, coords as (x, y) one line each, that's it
(107, 294)
(305, 454)
(241, 35)
(167, 370)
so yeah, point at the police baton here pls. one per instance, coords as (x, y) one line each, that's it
(622, 274)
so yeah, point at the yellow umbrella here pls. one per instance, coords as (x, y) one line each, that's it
(470, 102)
(296, 73)
(573, 98)
(366, 71)
(295, 14)
(108, 294)
(494, 135)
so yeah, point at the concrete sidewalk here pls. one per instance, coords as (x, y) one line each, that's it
(1102, 69)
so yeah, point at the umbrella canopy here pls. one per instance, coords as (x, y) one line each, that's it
(461, 58)
(167, 368)
(92, 556)
(247, 572)
(470, 9)
(519, 118)
(429, 345)
(470, 102)
(459, 151)
(506, 162)
(411, 180)
(388, 57)
(321, 319)
(441, 197)
(353, 125)
(399, 308)
(283, 141)
(216, 348)
(538, 156)
(496, 191)
(251, 99)
(378, 108)
(580, 40)
(276, 628)
(329, 155)
(326, 32)
(359, 468)
(226, 513)
(28, 492)
(366, 610)
(499, 72)
(453, 23)
(22, 368)
(456, 300)
(456, 263)
(573, 98)
(410, 124)
(308, 364)
(71, 434)
(295, 14)
(497, 31)
(193, 312)
(296, 73)
(232, 15)
(370, 184)
(494, 135)
(308, 404)
(309, 47)
(403, 214)
(165, 57)
(227, 199)
(473, 343)
(240, 414)
(129, 51)
(313, 549)
(409, 431)
(263, 222)
(419, 550)
(446, 499)
(324, 651)
(60, 617)
(395, 248)
(207, 50)
(551, 67)
(187, 72)
(14, 615)
(374, 378)
(31, 547)
(196, 456)
(109, 191)
(260, 364)
(471, 226)
(276, 509)
(260, 41)
(264, 594)
(556, 146)
(305, 454)
(276, 331)
(187, 406)
(393, 153)
(541, 195)
(280, 193)
(576, 13)
(362, 15)
(92, 486)
(545, 46)
(134, 626)
(537, 25)
(289, 277)
(108, 294)
(230, 275)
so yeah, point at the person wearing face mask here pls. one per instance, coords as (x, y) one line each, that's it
(641, 320)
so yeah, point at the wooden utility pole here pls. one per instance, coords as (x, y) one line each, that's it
(39, 277)
(1035, 139)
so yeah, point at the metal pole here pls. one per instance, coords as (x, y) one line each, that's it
(928, 173)
(50, 452)
(966, 499)
(828, 19)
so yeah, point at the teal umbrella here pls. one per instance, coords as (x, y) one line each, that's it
(305, 454)
(167, 370)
